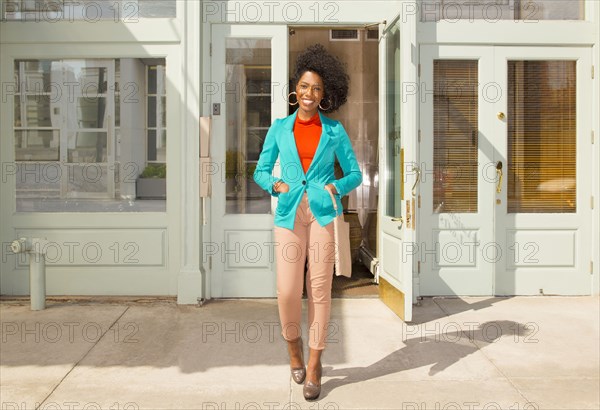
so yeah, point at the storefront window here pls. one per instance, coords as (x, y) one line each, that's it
(88, 10)
(494, 10)
(82, 135)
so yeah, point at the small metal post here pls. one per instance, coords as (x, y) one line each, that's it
(35, 247)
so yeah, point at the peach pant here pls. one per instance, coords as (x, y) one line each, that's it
(291, 248)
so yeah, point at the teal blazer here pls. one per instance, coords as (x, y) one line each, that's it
(334, 142)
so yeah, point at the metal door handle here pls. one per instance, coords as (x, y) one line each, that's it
(401, 220)
(414, 187)
(499, 173)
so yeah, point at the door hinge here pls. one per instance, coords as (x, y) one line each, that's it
(593, 137)
(419, 201)
(419, 70)
(419, 136)
(210, 50)
(593, 72)
(419, 267)
(592, 202)
(210, 262)
(591, 267)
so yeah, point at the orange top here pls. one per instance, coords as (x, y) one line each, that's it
(307, 134)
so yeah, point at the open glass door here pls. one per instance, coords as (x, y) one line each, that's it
(250, 83)
(394, 272)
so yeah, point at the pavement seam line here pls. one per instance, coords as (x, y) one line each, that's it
(81, 359)
(448, 314)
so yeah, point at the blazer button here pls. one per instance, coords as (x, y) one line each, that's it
(303, 182)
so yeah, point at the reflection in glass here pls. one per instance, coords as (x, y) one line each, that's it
(394, 189)
(491, 11)
(156, 117)
(87, 147)
(89, 10)
(93, 133)
(542, 136)
(455, 136)
(156, 8)
(87, 180)
(91, 112)
(248, 102)
(36, 145)
(152, 112)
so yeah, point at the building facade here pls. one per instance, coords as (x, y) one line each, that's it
(476, 127)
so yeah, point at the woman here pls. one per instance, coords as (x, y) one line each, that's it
(307, 143)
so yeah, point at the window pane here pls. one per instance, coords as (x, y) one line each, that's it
(91, 113)
(152, 80)
(163, 111)
(542, 136)
(38, 145)
(248, 102)
(151, 111)
(156, 8)
(87, 180)
(88, 10)
(35, 77)
(93, 134)
(87, 147)
(152, 145)
(455, 146)
(494, 10)
(394, 177)
(161, 147)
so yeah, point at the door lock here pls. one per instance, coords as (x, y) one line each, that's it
(501, 115)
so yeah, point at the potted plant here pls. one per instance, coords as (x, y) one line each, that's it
(152, 182)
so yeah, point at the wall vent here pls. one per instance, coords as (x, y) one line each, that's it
(343, 35)
(372, 34)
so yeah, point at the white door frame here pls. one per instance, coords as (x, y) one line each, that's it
(241, 248)
(343, 14)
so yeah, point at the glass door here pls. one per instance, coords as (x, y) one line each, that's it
(543, 212)
(249, 74)
(457, 248)
(394, 273)
(87, 132)
(506, 193)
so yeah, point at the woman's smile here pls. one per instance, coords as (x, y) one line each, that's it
(310, 92)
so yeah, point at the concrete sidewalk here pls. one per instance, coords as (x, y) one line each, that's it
(469, 353)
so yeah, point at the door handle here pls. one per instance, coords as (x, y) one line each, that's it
(414, 187)
(400, 219)
(499, 173)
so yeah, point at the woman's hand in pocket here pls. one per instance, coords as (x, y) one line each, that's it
(331, 188)
(281, 187)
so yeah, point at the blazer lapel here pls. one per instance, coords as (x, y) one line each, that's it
(325, 137)
(290, 140)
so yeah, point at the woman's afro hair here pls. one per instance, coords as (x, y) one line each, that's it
(335, 79)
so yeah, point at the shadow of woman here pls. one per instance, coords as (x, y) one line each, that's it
(440, 351)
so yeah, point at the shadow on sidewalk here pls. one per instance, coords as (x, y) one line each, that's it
(439, 351)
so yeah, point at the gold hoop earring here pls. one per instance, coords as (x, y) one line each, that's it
(328, 107)
(296, 103)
